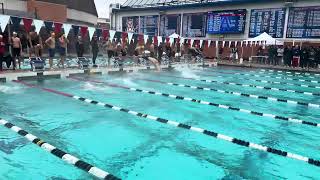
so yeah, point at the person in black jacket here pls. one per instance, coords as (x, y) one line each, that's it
(94, 49)
(287, 56)
(317, 57)
(80, 47)
(304, 58)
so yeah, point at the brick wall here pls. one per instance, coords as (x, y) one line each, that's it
(48, 11)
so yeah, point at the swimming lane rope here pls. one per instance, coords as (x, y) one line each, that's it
(209, 133)
(68, 158)
(206, 103)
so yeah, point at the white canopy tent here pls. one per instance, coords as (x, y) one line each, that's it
(174, 35)
(266, 39)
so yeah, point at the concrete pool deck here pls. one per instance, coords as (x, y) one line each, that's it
(11, 75)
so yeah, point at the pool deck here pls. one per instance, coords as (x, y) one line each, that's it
(11, 75)
(265, 66)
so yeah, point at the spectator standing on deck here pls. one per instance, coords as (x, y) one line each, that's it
(234, 53)
(279, 58)
(296, 52)
(51, 43)
(94, 49)
(2, 50)
(317, 57)
(304, 57)
(260, 54)
(16, 49)
(79, 47)
(272, 51)
(63, 40)
(287, 56)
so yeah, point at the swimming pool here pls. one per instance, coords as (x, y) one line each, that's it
(119, 123)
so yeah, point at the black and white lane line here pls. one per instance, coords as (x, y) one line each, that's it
(248, 85)
(290, 72)
(68, 158)
(271, 76)
(267, 82)
(199, 101)
(238, 93)
(176, 124)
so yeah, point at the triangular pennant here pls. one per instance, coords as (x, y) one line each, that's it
(223, 43)
(155, 40)
(66, 28)
(84, 31)
(235, 43)
(201, 42)
(171, 41)
(91, 32)
(181, 41)
(130, 35)
(98, 32)
(37, 24)
(57, 27)
(48, 25)
(159, 40)
(192, 41)
(124, 38)
(75, 30)
(15, 22)
(145, 37)
(217, 43)
(230, 42)
(105, 34)
(209, 43)
(27, 24)
(241, 43)
(112, 33)
(4, 20)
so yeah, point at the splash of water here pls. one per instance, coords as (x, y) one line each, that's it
(93, 87)
(10, 89)
(187, 72)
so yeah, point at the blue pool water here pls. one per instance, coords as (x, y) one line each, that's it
(135, 148)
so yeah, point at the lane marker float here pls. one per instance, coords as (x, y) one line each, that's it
(265, 81)
(268, 76)
(213, 134)
(248, 85)
(68, 158)
(290, 72)
(199, 101)
(238, 94)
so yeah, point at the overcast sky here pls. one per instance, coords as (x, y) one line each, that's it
(103, 6)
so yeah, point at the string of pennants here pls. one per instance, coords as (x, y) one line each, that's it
(57, 27)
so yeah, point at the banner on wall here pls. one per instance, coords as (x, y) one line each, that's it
(130, 24)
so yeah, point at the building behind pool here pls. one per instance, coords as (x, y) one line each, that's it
(82, 12)
(295, 21)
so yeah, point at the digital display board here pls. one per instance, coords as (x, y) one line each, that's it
(226, 22)
(304, 22)
(270, 21)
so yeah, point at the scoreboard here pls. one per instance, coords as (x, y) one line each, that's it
(304, 22)
(270, 21)
(226, 22)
